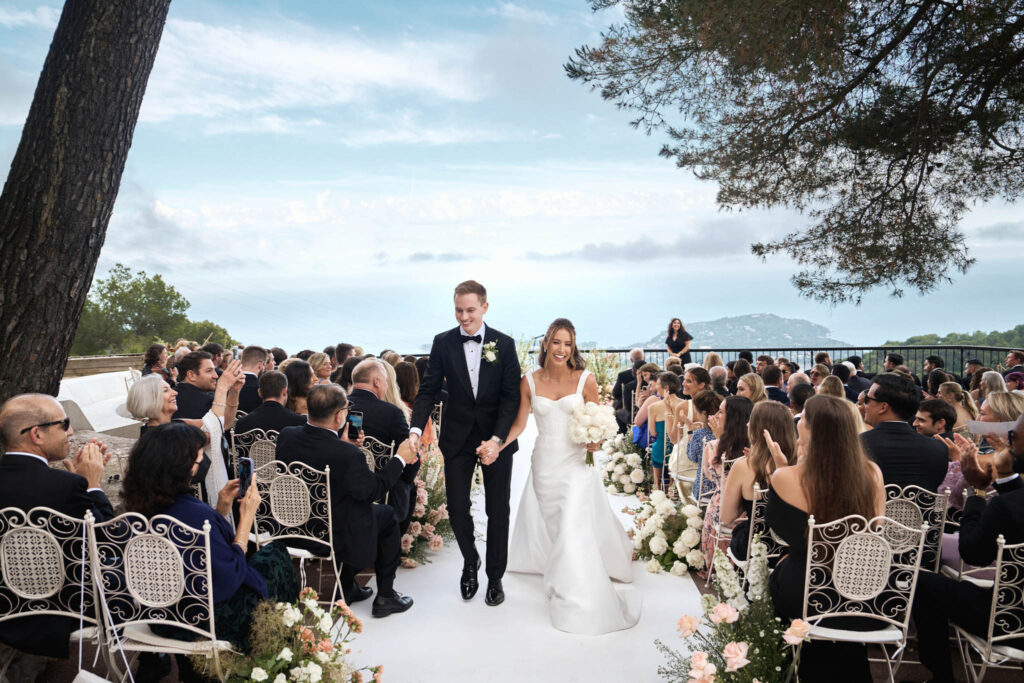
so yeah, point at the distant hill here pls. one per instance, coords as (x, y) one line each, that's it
(757, 330)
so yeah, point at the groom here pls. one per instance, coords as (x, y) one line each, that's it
(481, 368)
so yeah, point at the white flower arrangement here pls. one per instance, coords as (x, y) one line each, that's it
(489, 352)
(624, 470)
(666, 536)
(592, 423)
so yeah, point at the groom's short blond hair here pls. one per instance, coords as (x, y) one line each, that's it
(472, 287)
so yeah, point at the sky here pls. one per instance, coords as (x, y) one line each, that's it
(317, 172)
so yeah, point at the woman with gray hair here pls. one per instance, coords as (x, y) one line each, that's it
(991, 382)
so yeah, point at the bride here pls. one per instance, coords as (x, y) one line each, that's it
(565, 529)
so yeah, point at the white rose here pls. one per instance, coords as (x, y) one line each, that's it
(690, 511)
(315, 672)
(628, 488)
(280, 678)
(679, 548)
(666, 508)
(658, 496)
(326, 623)
(258, 674)
(609, 466)
(678, 568)
(298, 673)
(624, 479)
(636, 476)
(695, 522)
(323, 657)
(633, 460)
(612, 489)
(690, 538)
(619, 468)
(695, 558)
(643, 513)
(658, 545)
(653, 566)
(638, 542)
(286, 654)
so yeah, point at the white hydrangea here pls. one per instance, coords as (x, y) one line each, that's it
(657, 496)
(690, 511)
(695, 558)
(690, 538)
(624, 479)
(637, 476)
(678, 568)
(619, 468)
(653, 566)
(638, 542)
(658, 545)
(633, 460)
(666, 508)
(628, 488)
(612, 489)
(643, 513)
(679, 548)
(695, 522)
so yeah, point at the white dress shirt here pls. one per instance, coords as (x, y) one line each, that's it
(474, 351)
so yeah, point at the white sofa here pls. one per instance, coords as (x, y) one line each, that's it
(92, 402)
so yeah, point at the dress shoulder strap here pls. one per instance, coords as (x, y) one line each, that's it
(529, 381)
(583, 379)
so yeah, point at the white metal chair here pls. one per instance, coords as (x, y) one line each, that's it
(913, 506)
(377, 452)
(153, 572)
(720, 532)
(295, 508)
(774, 545)
(436, 416)
(1007, 614)
(257, 444)
(853, 570)
(45, 571)
(980, 576)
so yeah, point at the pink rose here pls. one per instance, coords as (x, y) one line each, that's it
(419, 510)
(688, 626)
(406, 543)
(409, 563)
(435, 543)
(797, 632)
(735, 656)
(700, 668)
(414, 529)
(420, 484)
(434, 517)
(428, 530)
(443, 511)
(723, 612)
(421, 496)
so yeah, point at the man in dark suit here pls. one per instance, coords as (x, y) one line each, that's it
(386, 423)
(935, 416)
(850, 386)
(254, 359)
(772, 377)
(940, 600)
(197, 379)
(1014, 362)
(904, 456)
(365, 533)
(482, 369)
(271, 415)
(35, 431)
(626, 376)
(627, 390)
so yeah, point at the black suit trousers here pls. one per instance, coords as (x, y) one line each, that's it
(458, 472)
(389, 553)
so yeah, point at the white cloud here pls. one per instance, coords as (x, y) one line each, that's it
(514, 12)
(211, 71)
(41, 17)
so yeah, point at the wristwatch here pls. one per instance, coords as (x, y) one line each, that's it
(971, 491)
(498, 440)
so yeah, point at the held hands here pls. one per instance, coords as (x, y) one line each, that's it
(488, 452)
(407, 452)
(414, 442)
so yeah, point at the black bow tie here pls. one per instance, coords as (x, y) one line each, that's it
(476, 337)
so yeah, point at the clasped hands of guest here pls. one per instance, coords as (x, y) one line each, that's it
(89, 462)
(977, 474)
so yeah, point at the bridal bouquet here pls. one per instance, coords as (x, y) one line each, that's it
(742, 639)
(625, 470)
(667, 535)
(592, 423)
(299, 642)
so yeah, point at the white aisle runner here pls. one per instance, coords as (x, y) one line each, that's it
(444, 639)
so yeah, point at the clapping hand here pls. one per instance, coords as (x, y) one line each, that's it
(89, 462)
(233, 376)
(976, 474)
(716, 426)
(774, 448)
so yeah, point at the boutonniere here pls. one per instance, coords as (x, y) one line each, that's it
(490, 352)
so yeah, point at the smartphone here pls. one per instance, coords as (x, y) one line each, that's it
(244, 476)
(355, 424)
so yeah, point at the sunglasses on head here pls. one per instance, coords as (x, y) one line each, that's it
(64, 424)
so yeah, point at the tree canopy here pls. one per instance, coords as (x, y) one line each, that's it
(127, 311)
(881, 120)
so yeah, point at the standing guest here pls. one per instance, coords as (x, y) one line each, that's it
(705, 404)
(366, 533)
(730, 429)
(35, 432)
(661, 422)
(892, 361)
(155, 362)
(342, 352)
(161, 469)
(279, 355)
(271, 363)
(751, 386)
(329, 351)
(772, 378)
(300, 381)
(271, 414)
(859, 380)
(320, 363)
(678, 341)
(1014, 362)
(991, 382)
(822, 358)
(304, 354)
(746, 355)
(636, 359)
(818, 373)
(763, 362)
(971, 366)
(831, 479)
(217, 352)
(955, 395)
(197, 378)
(904, 456)
(711, 360)
(345, 378)
(851, 387)
(719, 377)
(254, 361)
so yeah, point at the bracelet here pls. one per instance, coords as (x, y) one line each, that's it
(219, 404)
(240, 545)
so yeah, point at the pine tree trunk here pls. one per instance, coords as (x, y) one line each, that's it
(62, 184)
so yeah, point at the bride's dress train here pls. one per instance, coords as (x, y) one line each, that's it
(566, 530)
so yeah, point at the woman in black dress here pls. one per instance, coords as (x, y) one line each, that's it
(833, 478)
(678, 342)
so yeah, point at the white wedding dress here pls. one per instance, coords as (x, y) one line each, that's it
(566, 530)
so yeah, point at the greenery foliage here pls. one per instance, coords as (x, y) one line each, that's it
(127, 311)
(1013, 338)
(882, 120)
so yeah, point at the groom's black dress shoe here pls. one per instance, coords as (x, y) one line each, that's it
(495, 593)
(469, 583)
(357, 594)
(383, 606)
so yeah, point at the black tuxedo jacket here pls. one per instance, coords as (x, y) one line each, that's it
(982, 523)
(623, 378)
(25, 483)
(387, 424)
(777, 394)
(249, 397)
(193, 402)
(270, 415)
(494, 408)
(906, 457)
(1015, 368)
(353, 487)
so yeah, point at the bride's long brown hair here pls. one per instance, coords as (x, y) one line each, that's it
(575, 361)
(837, 478)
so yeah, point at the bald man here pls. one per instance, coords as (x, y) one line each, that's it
(35, 432)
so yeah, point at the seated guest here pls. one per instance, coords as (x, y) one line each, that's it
(798, 395)
(254, 362)
(729, 426)
(954, 394)
(408, 378)
(904, 456)
(746, 355)
(422, 362)
(643, 385)
(393, 394)
(320, 363)
(1014, 362)
(365, 533)
(662, 424)
(345, 378)
(818, 373)
(756, 467)
(831, 386)
(673, 365)
(196, 379)
(1002, 406)
(832, 478)
(162, 467)
(751, 386)
(933, 380)
(935, 416)
(35, 431)
(971, 365)
(991, 382)
(271, 415)
(390, 357)
(859, 379)
(155, 362)
(342, 352)
(719, 380)
(304, 354)
(772, 378)
(1014, 381)
(386, 423)
(705, 404)
(712, 360)
(300, 380)
(850, 386)
(941, 600)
